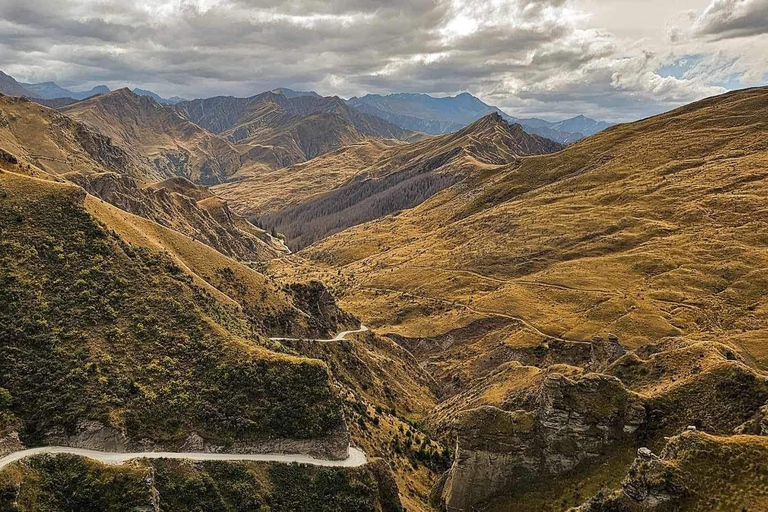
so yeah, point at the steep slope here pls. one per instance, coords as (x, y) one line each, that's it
(58, 145)
(400, 177)
(424, 113)
(119, 334)
(275, 129)
(10, 87)
(187, 208)
(44, 141)
(694, 471)
(155, 135)
(649, 235)
(272, 190)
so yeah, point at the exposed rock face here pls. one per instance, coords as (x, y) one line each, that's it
(653, 484)
(574, 420)
(93, 435)
(10, 443)
(8, 157)
(324, 314)
(757, 425)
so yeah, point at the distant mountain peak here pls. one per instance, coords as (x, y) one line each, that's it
(10, 87)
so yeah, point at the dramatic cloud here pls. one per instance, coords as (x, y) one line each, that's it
(551, 58)
(733, 18)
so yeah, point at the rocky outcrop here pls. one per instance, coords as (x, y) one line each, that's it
(324, 317)
(652, 483)
(93, 435)
(7, 157)
(10, 443)
(573, 420)
(756, 425)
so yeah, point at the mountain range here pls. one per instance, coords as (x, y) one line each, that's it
(52, 91)
(406, 112)
(275, 129)
(480, 318)
(420, 112)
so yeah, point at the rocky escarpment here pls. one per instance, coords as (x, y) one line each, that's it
(573, 420)
(7, 157)
(93, 435)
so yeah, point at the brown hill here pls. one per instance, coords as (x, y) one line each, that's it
(157, 137)
(44, 141)
(506, 287)
(56, 144)
(388, 178)
(647, 230)
(277, 130)
(187, 208)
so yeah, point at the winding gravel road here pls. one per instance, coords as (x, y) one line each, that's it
(355, 459)
(339, 337)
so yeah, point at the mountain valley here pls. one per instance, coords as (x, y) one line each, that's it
(498, 314)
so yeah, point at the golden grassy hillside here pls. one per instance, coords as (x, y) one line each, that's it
(695, 472)
(270, 190)
(43, 141)
(398, 177)
(647, 230)
(55, 144)
(157, 136)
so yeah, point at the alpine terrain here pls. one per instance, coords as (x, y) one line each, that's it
(352, 296)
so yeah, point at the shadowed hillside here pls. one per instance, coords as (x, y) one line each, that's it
(9, 86)
(275, 130)
(120, 334)
(397, 178)
(55, 484)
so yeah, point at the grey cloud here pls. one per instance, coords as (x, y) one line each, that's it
(733, 18)
(530, 55)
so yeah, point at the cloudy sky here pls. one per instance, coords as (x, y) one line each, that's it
(609, 59)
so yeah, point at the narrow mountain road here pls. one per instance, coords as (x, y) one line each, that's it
(339, 337)
(355, 459)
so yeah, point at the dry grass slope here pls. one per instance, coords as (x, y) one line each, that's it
(647, 230)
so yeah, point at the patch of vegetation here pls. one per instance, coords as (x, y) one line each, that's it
(94, 328)
(67, 483)
(72, 484)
